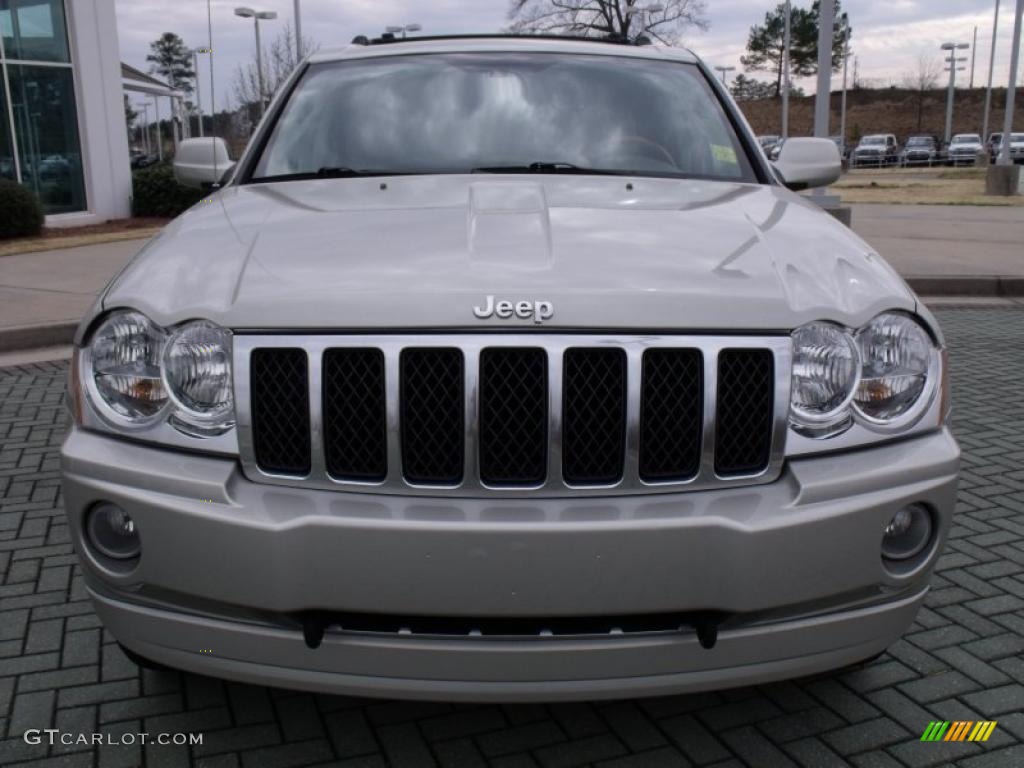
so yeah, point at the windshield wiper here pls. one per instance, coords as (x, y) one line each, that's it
(540, 167)
(327, 172)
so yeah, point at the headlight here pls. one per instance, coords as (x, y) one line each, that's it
(124, 370)
(826, 368)
(899, 369)
(170, 384)
(197, 374)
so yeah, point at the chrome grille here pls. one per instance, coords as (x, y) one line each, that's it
(503, 415)
(433, 432)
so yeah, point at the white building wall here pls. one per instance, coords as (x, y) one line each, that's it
(95, 55)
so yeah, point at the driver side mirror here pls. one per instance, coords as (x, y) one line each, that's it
(202, 163)
(805, 163)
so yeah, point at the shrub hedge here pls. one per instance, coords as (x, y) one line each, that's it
(155, 192)
(20, 212)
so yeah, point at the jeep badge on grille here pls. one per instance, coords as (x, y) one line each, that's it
(538, 310)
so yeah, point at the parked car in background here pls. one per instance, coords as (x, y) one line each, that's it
(142, 160)
(964, 148)
(876, 150)
(1016, 147)
(54, 167)
(920, 150)
(770, 143)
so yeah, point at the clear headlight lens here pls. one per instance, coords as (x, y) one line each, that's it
(197, 374)
(826, 367)
(125, 366)
(898, 360)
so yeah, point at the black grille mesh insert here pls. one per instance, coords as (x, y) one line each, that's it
(355, 436)
(671, 414)
(593, 416)
(746, 393)
(432, 415)
(513, 416)
(279, 382)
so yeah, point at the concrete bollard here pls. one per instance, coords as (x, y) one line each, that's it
(1004, 180)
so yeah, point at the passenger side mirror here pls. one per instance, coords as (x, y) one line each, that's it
(805, 163)
(202, 163)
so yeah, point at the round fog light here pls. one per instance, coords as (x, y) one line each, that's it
(907, 533)
(112, 532)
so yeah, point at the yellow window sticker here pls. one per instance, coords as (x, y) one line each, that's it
(723, 154)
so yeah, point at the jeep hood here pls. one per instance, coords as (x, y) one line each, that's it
(423, 251)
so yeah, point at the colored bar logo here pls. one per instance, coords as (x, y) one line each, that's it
(959, 730)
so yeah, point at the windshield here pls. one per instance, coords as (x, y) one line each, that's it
(503, 112)
(869, 140)
(967, 140)
(919, 141)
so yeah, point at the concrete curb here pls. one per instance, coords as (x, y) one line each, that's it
(987, 286)
(25, 337)
(22, 337)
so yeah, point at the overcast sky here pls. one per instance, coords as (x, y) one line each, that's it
(889, 35)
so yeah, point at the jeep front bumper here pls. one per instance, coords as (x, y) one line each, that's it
(228, 568)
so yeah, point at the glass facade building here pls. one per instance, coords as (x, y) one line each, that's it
(39, 134)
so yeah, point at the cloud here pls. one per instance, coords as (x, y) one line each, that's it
(889, 35)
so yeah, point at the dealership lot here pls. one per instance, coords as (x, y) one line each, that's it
(963, 659)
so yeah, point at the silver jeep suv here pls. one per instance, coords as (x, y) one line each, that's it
(508, 369)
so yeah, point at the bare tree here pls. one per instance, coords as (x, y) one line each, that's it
(278, 63)
(923, 79)
(621, 19)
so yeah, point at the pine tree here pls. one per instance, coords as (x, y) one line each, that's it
(172, 59)
(766, 42)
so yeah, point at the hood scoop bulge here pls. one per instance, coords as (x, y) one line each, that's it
(508, 224)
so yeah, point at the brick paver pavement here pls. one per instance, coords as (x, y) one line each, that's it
(962, 660)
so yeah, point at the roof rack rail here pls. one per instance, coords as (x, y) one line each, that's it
(388, 38)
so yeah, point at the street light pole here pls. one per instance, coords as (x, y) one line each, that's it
(787, 41)
(257, 16)
(298, 32)
(159, 137)
(723, 71)
(1011, 90)
(991, 67)
(199, 96)
(145, 128)
(642, 11)
(974, 56)
(823, 97)
(842, 111)
(952, 61)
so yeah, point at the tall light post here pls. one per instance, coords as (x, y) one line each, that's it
(298, 32)
(786, 43)
(1011, 90)
(823, 96)
(159, 136)
(199, 97)
(145, 128)
(846, 59)
(953, 60)
(258, 16)
(403, 29)
(974, 56)
(643, 11)
(991, 68)
(723, 71)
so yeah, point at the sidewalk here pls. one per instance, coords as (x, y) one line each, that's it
(44, 294)
(941, 250)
